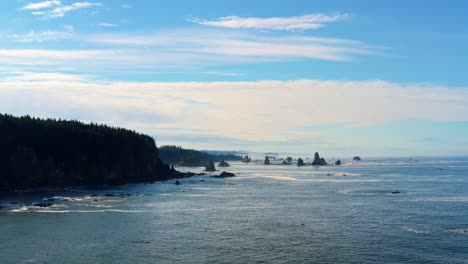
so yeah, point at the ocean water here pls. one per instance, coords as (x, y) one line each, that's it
(267, 214)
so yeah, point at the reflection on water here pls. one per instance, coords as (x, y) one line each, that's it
(377, 211)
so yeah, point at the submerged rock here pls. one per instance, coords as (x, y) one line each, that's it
(318, 161)
(300, 162)
(223, 164)
(338, 162)
(210, 166)
(225, 174)
(357, 158)
(395, 192)
(109, 195)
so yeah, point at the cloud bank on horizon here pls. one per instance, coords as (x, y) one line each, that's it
(278, 78)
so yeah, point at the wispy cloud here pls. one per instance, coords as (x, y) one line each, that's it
(42, 36)
(126, 6)
(296, 23)
(107, 25)
(185, 48)
(41, 5)
(54, 9)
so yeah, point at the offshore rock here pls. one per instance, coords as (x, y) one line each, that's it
(318, 161)
(225, 174)
(210, 166)
(300, 162)
(223, 164)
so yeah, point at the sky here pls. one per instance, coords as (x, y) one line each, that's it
(369, 78)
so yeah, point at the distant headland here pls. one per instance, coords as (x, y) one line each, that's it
(57, 153)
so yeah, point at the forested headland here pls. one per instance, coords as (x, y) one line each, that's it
(176, 155)
(47, 152)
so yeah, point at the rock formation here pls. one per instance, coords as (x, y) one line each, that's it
(225, 174)
(357, 158)
(246, 159)
(267, 161)
(338, 162)
(210, 166)
(223, 164)
(300, 162)
(318, 161)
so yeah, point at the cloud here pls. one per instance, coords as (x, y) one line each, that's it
(107, 25)
(42, 36)
(41, 5)
(296, 23)
(54, 9)
(126, 6)
(262, 113)
(181, 49)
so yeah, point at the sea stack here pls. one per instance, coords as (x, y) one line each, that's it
(356, 158)
(318, 161)
(338, 162)
(246, 159)
(267, 161)
(300, 162)
(223, 164)
(210, 166)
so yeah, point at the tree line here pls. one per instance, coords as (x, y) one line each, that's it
(38, 152)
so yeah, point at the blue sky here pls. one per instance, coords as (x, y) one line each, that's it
(380, 78)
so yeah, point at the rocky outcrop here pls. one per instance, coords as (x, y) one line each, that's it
(284, 162)
(338, 162)
(357, 158)
(210, 166)
(224, 174)
(267, 161)
(223, 164)
(177, 183)
(318, 161)
(246, 159)
(300, 162)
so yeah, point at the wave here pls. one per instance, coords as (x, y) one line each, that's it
(459, 231)
(414, 230)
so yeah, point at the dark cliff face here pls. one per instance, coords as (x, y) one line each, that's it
(37, 153)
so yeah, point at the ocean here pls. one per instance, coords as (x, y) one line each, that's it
(386, 210)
